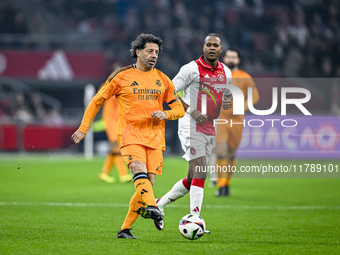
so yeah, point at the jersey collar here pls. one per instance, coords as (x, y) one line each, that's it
(202, 62)
(135, 67)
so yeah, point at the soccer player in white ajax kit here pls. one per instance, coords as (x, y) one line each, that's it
(202, 80)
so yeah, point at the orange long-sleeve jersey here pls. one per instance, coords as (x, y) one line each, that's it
(139, 94)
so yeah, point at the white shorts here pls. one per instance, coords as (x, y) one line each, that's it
(196, 145)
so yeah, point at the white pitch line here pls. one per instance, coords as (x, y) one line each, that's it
(246, 207)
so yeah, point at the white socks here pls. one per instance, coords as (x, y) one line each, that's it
(196, 196)
(180, 188)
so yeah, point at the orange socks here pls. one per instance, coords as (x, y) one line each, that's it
(132, 215)
(115, 158)
(221, 176)
(144, 188)
(142, 197)
(229, 174)
(224, 178)
(108, 164)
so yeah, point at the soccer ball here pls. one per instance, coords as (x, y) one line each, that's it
(192, 226)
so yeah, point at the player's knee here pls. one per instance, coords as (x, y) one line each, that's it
(200, 172)
(151, 178)
(220, 150)
(231, 155)
(115, 150)
(137, 167)
(189, 176)
(115, 145)
(220, 155)
(201, 176)
(115, 153)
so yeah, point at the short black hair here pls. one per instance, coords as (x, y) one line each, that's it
(141, 40)
(212, 34)
(236, 50)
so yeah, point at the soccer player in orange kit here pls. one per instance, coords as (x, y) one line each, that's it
(141, 90)
(228, 138)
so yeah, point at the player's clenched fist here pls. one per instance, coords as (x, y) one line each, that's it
(159, 115)
(77, 137)
(198, 116)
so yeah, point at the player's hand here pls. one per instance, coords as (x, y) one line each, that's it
(159, 115)
(227, 102)
(199, 117)
(77, 137)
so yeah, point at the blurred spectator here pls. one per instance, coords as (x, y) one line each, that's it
(293, 60)
(274, 34)
(28, 108)
(335, 98)
(298, 30)
(12, 19)
(37, 24)
(19, 108)
(4, 103)
(37, 108)
(53, 118)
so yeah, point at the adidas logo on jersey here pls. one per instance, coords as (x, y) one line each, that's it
(134, 84)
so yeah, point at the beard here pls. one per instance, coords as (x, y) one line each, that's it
(212, 59)
(231, 65)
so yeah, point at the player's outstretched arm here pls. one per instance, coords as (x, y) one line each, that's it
(89, 115)
(78, 136)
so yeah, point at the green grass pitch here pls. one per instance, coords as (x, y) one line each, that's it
(57, 205)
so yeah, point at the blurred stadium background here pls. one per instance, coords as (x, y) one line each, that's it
(50, 50)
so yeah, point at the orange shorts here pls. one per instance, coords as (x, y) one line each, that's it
(231, 135)
(152, 158)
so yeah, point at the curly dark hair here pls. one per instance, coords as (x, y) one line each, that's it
(141, 40)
